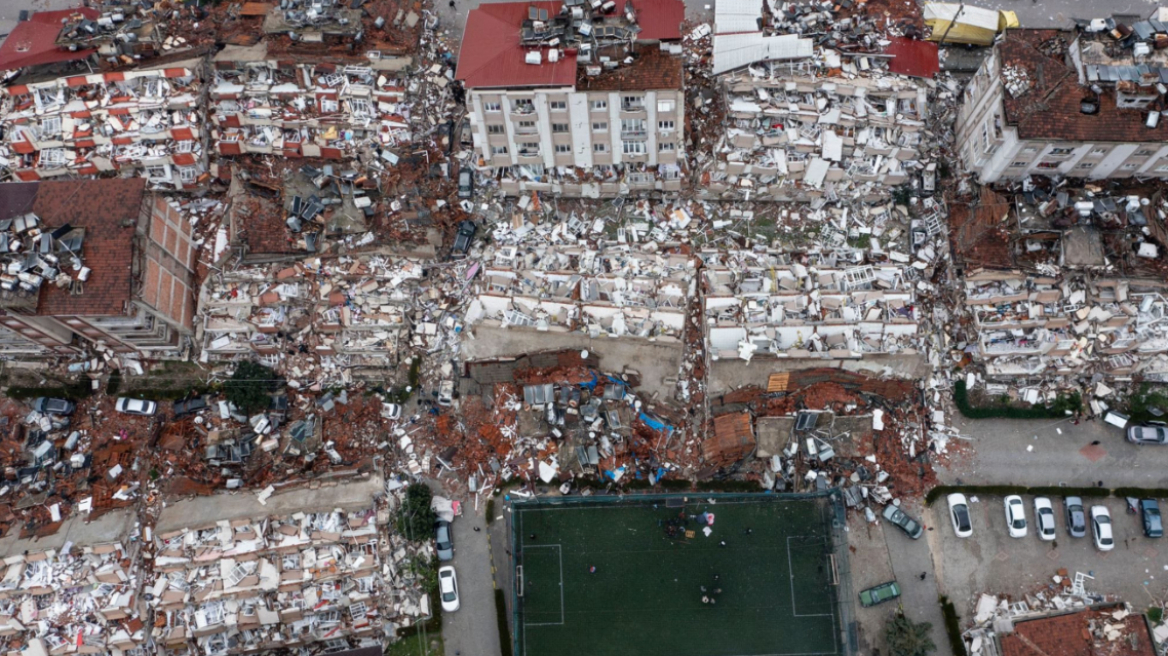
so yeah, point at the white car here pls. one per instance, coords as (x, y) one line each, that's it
(1044, 518)
(1101, 528)
(391, 411)
(1016, 516)
(448, 588)
(959, 513)
(136, 407)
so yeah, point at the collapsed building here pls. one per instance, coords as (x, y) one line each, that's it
(140, 112)
(577, 98)
(803, 123)
(1062, 282)
(99, 264)
(1083, 104)
(604, 294)
(300, 569)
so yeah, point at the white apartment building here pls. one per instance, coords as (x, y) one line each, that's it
(1083, 105)
(576, 100)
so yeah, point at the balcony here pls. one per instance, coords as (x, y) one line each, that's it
(634, 135)
(638, 106)
(523, 109)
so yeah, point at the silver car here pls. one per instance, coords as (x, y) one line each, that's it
(445, 543)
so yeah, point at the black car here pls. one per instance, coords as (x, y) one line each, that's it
(464, 238)
(465, 183)
(184, 408)
(1150, 513)
(50, 406)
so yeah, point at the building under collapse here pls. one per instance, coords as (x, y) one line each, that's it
(140, 111)
(604, 294)
(1084, 104)
(801, 127)
(578, 98)
(96, 263)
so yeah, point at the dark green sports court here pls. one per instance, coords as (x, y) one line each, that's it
(776, 574)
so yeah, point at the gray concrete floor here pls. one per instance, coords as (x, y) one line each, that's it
(10, 10)
(655, 361)
(472, 630)
(1059, 13)
(991, 561)
(1033, 452)
(730, 374)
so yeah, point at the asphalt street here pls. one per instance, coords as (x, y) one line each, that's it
(472, 630)
(1053, 452)
(910, 559)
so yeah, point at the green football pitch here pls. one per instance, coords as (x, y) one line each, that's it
(769, 587)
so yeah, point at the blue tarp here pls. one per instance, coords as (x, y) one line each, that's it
(591, 384)
(655, 424)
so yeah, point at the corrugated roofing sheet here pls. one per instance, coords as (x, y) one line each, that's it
(491, 55)
(733, 51)
(733, 16)
(913, 58)
(660, 20)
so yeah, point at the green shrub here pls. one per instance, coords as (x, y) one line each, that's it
(114, 383)
(75, 391)
(675, 484)
(490, 510)
(1063, 405)
(953, 627)
(1148, 398)
(250, 387)
(415, 519)
(1155, 614)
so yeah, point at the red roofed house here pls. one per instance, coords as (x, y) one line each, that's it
(591, 84)
(1082, 105)
(97, 262)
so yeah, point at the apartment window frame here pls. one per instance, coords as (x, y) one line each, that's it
(600, 148)
(532, 148)
(496, 129)
(563, 149)
(492, 107)
(666, 106)
(600, 126)
(666, 147)
(598, 105)
(558, 105)
(560, 128)
(633, 148)
(498, 150)
(1018, 165)
(1061, 151)
(668, 125)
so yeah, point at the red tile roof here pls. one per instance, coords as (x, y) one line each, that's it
(108, 210)
(652, 69)
(659, 19)
(491, 55)
(1049, 109)
(34, 41)
(1069, 635)
(913, 58)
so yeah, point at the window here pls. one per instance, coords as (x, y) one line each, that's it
(634, 147)
(667, 147)
(525, 127)
(1017, 164)
(1163, 168)
(599, 105)
(1061, 151)
(1030, 150)
(559, 127)
(498, 150)
(1085, 166)
(666, 126)
(187, 173)
(633, 126)
(640, 178)
(599, 126)
(529, 148)
(600, 148)
(559, 105)
(360, 107)
(1098, 151)
(563, 148)
(492, 107)
(495, 129)
(329, 106)
(1049, 165)
(158, 172)
(665, 106)
(1144, 152)
(632, 103)
(50, 126)
(523, 105)
(1129, 166)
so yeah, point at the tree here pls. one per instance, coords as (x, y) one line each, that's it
(250, 386)
(908, 638)
(415, 518)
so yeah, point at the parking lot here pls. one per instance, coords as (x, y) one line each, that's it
(991, 561)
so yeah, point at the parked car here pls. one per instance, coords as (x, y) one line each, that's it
(1150, 513)
(879, 594)
(1153, 432)
(446, 393)
(1044, 518)
(448, 588)
(901, 519)
(51, 406)
(1076, 517)
(464, 238)
(1101, 528)
(136, 407)
(465, 183)
(1016, 516)
(191, 406)
(445, 541)
(391, 411)
(959, 513)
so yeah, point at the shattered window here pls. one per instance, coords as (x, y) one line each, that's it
(53, 158)
(361, 107)
(162, 172)
(529, 148)
(51, 126)
(329, 106)
(187, 173)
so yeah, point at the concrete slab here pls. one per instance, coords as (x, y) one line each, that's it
(205, 511)
(110, 527)
(729, 375)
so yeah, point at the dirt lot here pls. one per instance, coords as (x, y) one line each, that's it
(991, 561)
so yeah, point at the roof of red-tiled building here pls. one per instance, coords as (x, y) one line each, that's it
(652, 69)
(1050, 108)
(34, 42)
(108, 211)
(492, 56)
(1070, 635)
